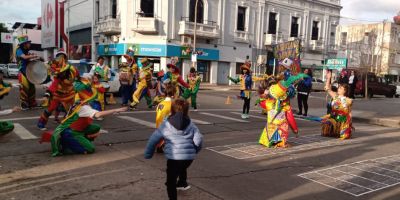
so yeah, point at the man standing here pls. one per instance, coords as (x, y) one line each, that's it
(352, 83)
(26, 88)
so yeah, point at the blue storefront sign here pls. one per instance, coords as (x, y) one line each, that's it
(156, 50)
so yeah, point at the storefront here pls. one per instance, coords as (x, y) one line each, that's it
(160, 55)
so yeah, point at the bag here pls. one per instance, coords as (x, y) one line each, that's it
(125, 78)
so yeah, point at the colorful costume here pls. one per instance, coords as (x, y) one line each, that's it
(5, 88)
(162, 112)
(61, 91)
(143, 89)
(194, 84)
(103, 71)
(27, 89)
(338, 123)
(5, 126)
(280, 114)
(98, 104)
(175, 79)
(76, 132)
(160, 95)
(246, 82)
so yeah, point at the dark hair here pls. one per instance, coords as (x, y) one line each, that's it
(100, 57)
(309, 72)
(192, 70)
(170, 90)
(180, 105)
(345, 86)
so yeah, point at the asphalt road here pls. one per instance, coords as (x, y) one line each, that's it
(231, 165)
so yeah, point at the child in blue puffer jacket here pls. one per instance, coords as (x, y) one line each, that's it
(183, 141)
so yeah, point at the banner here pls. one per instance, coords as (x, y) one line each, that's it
(289, 50)
(337, 63)
(7, 38)
(49, 23)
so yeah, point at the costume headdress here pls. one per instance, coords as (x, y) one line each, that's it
(23, 39)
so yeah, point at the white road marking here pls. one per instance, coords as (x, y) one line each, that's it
(196, 121)
(252, 116)
(23, 133)
(223, 117)
(364, 165)
(102, 131)
(138, 121)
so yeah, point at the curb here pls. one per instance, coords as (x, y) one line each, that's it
(379, 121)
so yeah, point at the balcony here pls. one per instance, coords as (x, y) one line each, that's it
(241, 36)
(109, 26)
(146, 25)
(208, 29)
(333, 48)
(270, 39)
(316, 45)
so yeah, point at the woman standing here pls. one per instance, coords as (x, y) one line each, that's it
(303, 90)
(246, 82)
(338, 123)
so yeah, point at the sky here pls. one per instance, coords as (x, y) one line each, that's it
(365, 11)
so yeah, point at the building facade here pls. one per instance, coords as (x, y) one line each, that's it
(371, 47)
(228, 32)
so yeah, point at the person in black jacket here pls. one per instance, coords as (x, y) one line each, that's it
(303, 90)
(352, 83)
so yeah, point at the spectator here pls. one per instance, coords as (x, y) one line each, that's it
(352, 83)
(304, 89)
(182, 142)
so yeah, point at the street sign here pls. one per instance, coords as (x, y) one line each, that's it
(336, 63)
(194, 57)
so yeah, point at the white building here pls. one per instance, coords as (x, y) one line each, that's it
(227, 33)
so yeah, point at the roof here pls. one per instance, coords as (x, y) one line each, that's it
(26, 26)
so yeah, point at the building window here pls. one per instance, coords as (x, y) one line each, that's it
(272, 23)
(114, 9)
(343, 37)
(315, 30)
(97, 11)
(200, 11)
(294, 30)
(241, 19)
(147, 8)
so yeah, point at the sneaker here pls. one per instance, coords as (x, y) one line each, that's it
(195, 110)
(305, 115)
(41, 127)
(247, 116)
(183, 188)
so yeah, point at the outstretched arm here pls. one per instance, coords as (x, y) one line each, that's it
(328, 85)
(110, 112)
(235, 80)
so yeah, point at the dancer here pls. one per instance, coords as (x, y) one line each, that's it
(104, 73)
(143, 89)
(279, 113)
(174, 77)
(160, 89)
(76, 132)
(183, 141)
(98, 104)
(246, 82)
(5, 88)
(338, 123)
(61, 89)
(6, 126)
(27, 89)
(194, 84)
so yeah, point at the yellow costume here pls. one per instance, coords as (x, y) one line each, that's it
(163, 111)
(143, 89)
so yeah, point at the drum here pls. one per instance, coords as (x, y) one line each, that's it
(36, 72)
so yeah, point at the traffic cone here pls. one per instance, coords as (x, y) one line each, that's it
(228, 100)
(112, 100)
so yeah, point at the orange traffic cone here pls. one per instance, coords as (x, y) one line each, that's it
(112, 100)
(228, 100)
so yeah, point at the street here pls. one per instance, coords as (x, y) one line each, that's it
(230, 166)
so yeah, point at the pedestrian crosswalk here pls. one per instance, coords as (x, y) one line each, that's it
(25, 128)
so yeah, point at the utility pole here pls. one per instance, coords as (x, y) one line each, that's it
(194, 36)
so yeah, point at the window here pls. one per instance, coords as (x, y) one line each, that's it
(241, 19)
(147, 8)
(238, 71)
(343, 37)
(294, 30)
(114, 9)
(272, 23)
(315, 30)
(200, 11)
(97, 11)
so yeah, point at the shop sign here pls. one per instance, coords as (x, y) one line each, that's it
(112, 49)
(154, 50)
(337, 63)
(186, 53)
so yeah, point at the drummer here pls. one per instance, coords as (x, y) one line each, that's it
(104, 72)
(26, 88)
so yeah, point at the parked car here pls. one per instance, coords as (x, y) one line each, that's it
(11, 70)
(3, 68)
(376, 86)
(397, 95)
(83, 65)
(317, 84)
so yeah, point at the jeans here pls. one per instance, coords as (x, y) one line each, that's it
(175, 169)
(302, 100)
(126, 93)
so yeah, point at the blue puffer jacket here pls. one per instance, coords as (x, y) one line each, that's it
(179, 144)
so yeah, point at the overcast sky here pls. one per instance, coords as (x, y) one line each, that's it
(368, 10)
